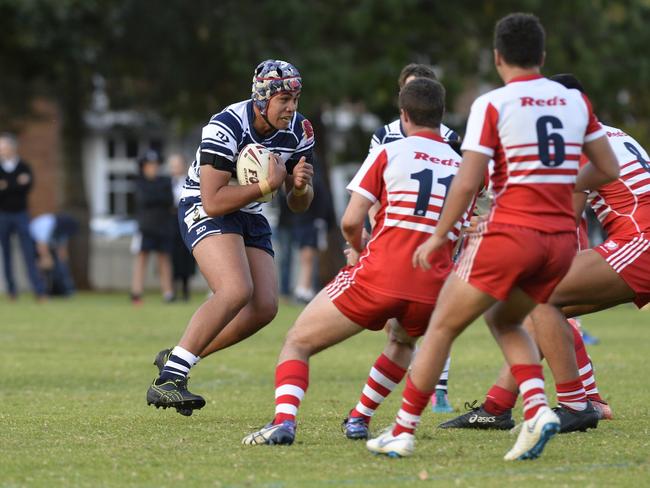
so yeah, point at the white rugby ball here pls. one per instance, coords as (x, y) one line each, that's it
(253, 167)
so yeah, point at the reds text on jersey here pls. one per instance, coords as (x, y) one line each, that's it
(410, 179)
(623, 206)
(534, 129)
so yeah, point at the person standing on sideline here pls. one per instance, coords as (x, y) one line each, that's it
(16, 181)
(154, 201)
(183, 265)
(223, 225)
(535, 129)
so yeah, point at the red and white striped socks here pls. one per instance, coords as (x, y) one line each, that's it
(530, 379)
(384, 376)
(291, 381)
(499, 400)
(414, 402)
(585, 367)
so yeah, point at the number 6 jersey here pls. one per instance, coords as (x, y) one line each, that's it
(534, 129)
(410, 178)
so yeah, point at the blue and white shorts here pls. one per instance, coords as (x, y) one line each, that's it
(195, 225)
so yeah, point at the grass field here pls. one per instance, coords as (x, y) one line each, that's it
(74, 376)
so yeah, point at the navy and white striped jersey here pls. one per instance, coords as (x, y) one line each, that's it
(232, 129)
(393, 132)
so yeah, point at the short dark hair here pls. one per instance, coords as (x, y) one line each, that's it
(569, 80)
(423, 100)
(519, 38)
(417, 70)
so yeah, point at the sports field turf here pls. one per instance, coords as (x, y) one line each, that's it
(74, 376)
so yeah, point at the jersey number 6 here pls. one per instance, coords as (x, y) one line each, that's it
(544, 141)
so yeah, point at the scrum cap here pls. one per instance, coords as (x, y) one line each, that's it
(271, 77)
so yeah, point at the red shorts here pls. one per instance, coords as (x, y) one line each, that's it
(630, 257)
(371, 310)
(500, 257)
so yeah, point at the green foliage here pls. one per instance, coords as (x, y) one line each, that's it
(74, 414)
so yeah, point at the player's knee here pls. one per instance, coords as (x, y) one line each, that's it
(237, 296)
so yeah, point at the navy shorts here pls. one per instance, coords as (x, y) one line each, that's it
(152, 243)
(305, 235)
(195, 225)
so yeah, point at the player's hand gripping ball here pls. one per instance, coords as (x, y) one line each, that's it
(253, 167)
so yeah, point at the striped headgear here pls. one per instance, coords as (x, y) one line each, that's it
(271, 77)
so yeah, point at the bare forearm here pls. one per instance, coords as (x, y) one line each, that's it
(299, 203)
(230, 198)
(590, 178)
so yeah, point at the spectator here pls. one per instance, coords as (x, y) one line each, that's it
(16, 181)
(183, 264)
(52, 232)
(307, 232)
(154, 204)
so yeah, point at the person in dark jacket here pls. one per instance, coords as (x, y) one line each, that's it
(16, 181)
(154, 203)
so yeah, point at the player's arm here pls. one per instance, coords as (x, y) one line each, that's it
(471, 176)
(299, 186)
(579, 204)
(354, 217)
(219, 198)
(602, 167)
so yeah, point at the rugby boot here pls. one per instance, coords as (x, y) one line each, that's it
(440, 402)
(393, 446)
(478, 418)
(603, 409)
(573, 420)
(173, 393)
(161, 358)
(271, 434)
(355, 428)
(534, 435)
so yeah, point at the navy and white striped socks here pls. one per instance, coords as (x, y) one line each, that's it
(179, 364)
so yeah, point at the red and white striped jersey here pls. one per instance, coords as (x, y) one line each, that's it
(534, 129)
(410, 179)
(623, 206)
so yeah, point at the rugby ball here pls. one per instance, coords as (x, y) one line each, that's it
(253, 167)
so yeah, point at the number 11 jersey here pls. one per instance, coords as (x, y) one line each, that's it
(534, 129)
(410, 178)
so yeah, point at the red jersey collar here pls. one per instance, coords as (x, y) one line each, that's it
(429, 135)
(535, 76)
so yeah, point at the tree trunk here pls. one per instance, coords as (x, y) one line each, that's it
(74, 195)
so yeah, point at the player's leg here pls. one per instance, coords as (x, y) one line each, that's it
(458, 305)
(521, 353)
(223, 262)
(440, 398)
(386, 373)
(259, 311)
(319, 326)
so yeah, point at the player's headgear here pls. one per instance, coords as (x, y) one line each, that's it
(271, 77)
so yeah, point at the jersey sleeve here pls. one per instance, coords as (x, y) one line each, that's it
(221, 138)
(369, 180)
(376, 138)
(305, 147)
(594, 128)
(482, 134)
